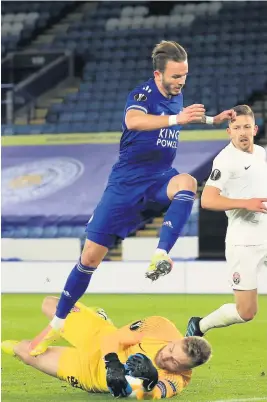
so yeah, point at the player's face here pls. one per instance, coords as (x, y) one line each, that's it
(242, 132)
(173, 358)
(172, 80)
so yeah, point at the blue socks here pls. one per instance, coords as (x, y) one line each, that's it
(175, 219)
(75, 287)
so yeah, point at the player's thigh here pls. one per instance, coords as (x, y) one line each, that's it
(158, 192)
(244, 263)
(48, 362)
(115, 215)
(82, 325)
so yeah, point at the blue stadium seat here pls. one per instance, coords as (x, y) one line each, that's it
(50, 232)
(64, 231)
(79, 116)
(112, 59)
(35, 232)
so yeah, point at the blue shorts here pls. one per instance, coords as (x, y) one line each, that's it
(125, 206)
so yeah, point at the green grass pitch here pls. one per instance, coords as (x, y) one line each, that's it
(237, 371)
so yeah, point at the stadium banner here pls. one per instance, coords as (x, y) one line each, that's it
(141, 248)
(67, 249)
(69, 179)
(101, 138)
(187, 277)
(40, 249)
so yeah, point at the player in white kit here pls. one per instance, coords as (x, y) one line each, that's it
(238, 185)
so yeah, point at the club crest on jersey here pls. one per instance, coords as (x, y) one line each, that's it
(136, 325)
(140, 97)
(215, 174)
(236, 278)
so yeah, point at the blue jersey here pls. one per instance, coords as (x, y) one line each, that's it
(144, 153)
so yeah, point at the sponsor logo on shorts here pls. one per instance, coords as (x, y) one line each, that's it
(236, 278)
(74, 382)
(38, 179)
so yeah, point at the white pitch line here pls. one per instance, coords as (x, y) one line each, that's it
(241, 400)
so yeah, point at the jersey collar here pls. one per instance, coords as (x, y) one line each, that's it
(239, 150)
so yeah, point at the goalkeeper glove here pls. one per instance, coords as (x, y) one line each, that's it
(140, 366)
(115, 376)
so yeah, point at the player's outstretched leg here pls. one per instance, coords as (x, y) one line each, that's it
(228, 314)
(223, 317)
(75, 287)
(181, 190)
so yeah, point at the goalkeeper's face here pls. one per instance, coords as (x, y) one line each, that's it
(173, 358)
(172, 80)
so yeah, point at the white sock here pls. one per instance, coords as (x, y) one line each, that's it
(57, 323)
(160, 251)
(223, 317)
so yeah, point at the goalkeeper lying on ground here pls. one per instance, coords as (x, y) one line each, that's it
(103, 357)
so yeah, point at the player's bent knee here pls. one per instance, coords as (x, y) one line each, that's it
(93, 254)
(91, 258)
(187, 182)
(247, 314)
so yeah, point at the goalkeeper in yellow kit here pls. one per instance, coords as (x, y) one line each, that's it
(102, 357)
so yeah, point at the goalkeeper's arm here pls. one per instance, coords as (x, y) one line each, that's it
(163, 389)
(153, 387)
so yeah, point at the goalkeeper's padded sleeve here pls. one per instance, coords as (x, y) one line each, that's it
(164, 389)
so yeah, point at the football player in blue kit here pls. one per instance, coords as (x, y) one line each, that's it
(142, 180)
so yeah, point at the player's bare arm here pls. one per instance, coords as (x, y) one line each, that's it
(211, 199)
(226, 115)
(138, 120)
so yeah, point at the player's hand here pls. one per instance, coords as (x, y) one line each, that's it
(191, 114)
(226, 115)
(256, 205)
(115, 376)
(140, 366)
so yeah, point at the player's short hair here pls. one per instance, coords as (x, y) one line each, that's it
(197, 349)
(165, 51)
(244, 110)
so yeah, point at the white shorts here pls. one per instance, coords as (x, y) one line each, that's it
(245, 263)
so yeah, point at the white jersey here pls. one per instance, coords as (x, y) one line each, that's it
(240, 175)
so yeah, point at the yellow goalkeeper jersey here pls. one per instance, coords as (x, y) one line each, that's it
(92, 337)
